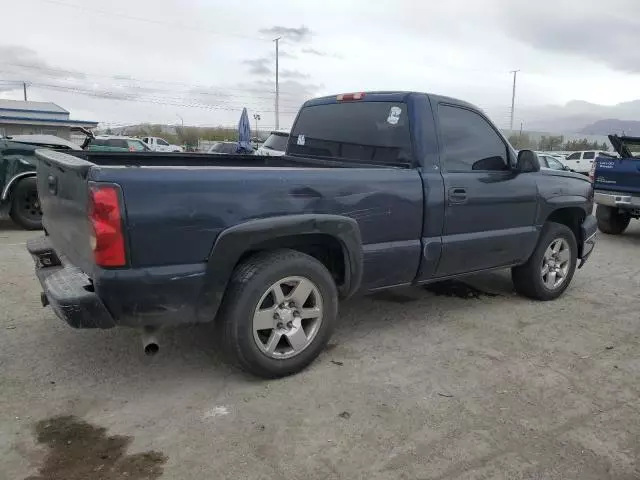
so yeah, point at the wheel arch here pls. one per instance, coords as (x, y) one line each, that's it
(11, 184)
(334, 240)
(572, 217)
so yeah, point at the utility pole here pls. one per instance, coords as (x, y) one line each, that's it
(277, 40)
(256, 117)
(513, 96)
(24, 88)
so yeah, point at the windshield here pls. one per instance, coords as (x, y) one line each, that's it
(368, 132)
(276, 141)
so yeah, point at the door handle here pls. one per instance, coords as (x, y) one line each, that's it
(457, 195)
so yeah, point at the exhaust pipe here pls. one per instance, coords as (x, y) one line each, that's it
(149, 341)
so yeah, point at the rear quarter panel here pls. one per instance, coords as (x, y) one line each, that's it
(175, 214)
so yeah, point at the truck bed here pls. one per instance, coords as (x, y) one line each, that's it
(149, 159)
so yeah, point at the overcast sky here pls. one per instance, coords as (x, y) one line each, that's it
(122, 62)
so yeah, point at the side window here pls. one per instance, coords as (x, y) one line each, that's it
(574, 156)
(162, 142)
(553, 163)
(118, 143)
(136, 146)
(469, 142)
(544, 161)
(589, 155)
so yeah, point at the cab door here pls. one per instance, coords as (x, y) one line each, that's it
(489, 206)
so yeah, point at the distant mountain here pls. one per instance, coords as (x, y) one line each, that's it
(612, 125)
(578, 116)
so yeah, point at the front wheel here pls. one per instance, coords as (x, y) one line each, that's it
(549, 270)
(25, 205)
(278, 313)
(611, 220)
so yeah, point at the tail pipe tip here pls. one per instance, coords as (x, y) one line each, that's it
(150, 343)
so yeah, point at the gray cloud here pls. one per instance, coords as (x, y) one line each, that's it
(314, 51)
(319, 53)
(612, 43)
(297, 35)
(293, 74)
(258, 66)
(285, 54)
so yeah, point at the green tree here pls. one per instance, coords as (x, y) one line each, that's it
(551, 142)
(520, 141)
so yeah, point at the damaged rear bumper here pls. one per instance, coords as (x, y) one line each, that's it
(68, 290)
(137, 297)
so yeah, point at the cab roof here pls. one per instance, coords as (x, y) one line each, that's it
(389, 96)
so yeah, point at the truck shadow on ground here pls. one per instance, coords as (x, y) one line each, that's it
(7, 225)
(194, 350)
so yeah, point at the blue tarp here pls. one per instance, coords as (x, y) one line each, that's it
(244, 133)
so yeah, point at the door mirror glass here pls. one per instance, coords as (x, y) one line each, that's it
(528, 161)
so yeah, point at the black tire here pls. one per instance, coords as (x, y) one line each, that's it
(611, 220)
(527, 278)
(25, 205)
(250, 281)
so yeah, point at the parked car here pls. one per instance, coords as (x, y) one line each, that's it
(551, 161)
(275, 145)
(581, 162)
(616, 183)
(19, 196)
(116, 143)
(158, 144)
(225, 148)
(377, 190)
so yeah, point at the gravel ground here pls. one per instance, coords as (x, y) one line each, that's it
(414, 385)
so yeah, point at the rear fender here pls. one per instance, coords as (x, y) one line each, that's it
(6, 191)
(236, 241)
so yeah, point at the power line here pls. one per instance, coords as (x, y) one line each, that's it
(175, 100)
(153, 21)
(129, 78)
(109, 95)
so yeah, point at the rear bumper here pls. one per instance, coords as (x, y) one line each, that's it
(616, 199)
(588, 229)
(144, 297)
(67, 289)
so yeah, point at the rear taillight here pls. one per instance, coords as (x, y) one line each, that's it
(592, 172)
(107, 241)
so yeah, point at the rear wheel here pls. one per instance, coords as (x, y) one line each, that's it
(25, 205)
(549, 270)
(278, 313)
(611, 220)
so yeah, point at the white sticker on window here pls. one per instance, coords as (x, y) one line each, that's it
(301, 140)
(394, 115)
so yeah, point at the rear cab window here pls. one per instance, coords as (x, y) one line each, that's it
(358, 131)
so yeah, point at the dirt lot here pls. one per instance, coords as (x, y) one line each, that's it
(414, 385)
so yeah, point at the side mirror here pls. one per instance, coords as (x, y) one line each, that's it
(527, 161)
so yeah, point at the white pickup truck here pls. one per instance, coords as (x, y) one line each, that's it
(158, 144)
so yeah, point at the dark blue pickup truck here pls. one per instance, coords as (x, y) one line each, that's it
(377, 190)
(616, 182)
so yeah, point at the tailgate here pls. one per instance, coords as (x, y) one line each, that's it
(63, 192)
(617, 174)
